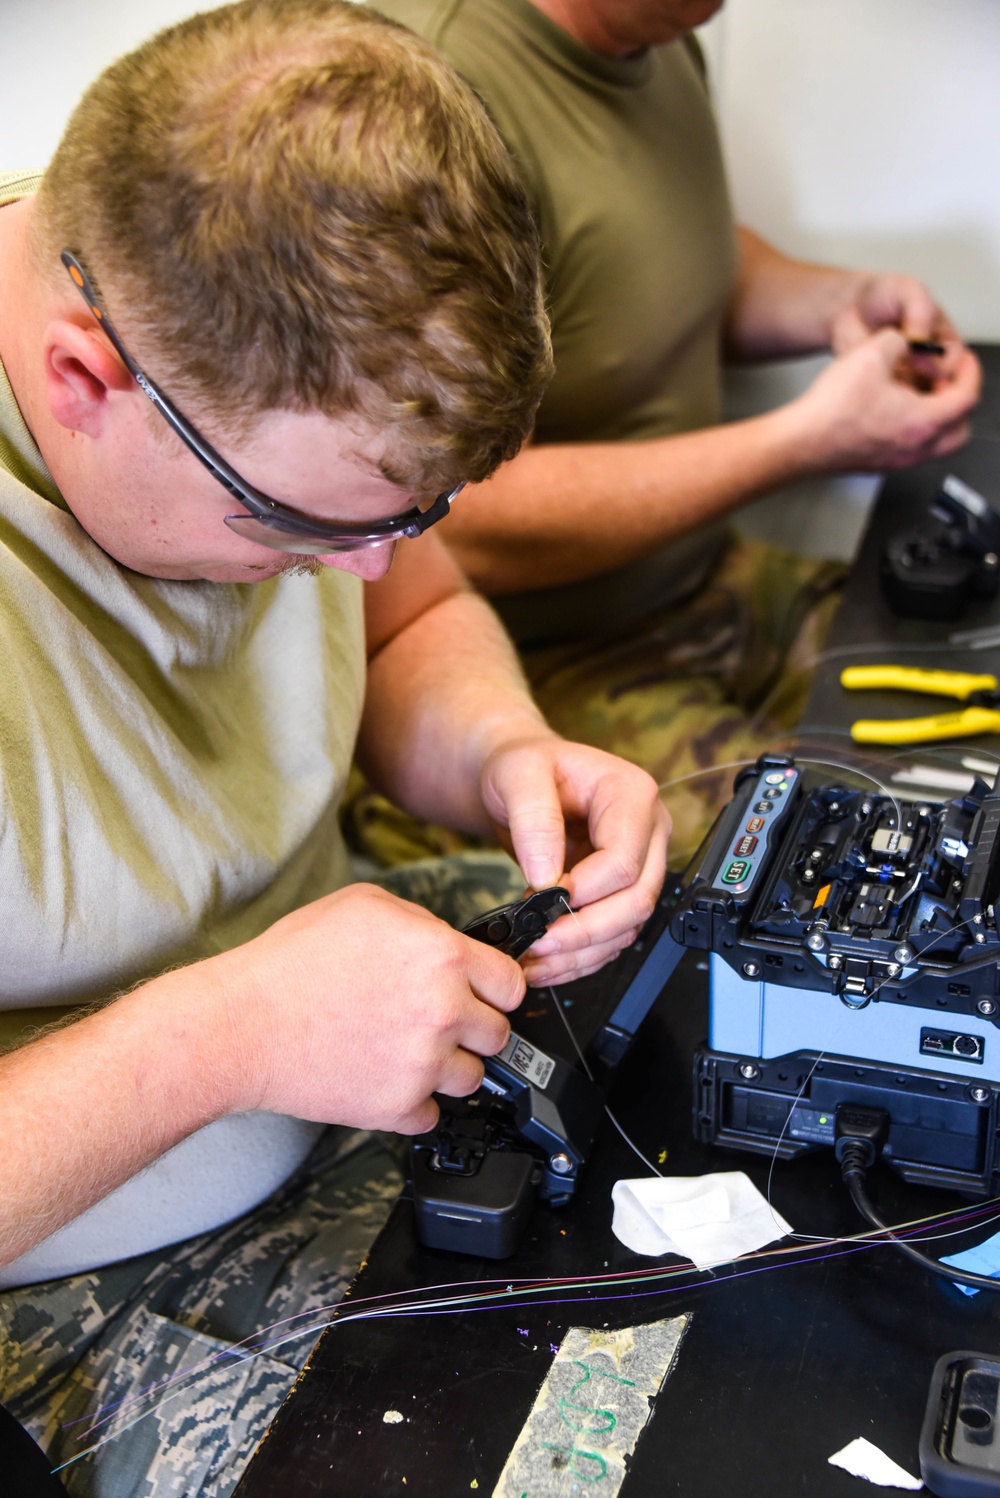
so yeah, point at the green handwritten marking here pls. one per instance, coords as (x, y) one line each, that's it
(590, 1456)
(602, 1372)
(585, 1419)
(608, 1416)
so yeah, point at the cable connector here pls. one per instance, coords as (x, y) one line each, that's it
(859, 1134)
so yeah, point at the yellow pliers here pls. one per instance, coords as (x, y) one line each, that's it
(981, 713)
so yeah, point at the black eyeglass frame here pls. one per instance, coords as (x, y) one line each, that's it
(314, 536)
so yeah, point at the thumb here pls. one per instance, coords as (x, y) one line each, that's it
(890, 345)
(521, 793)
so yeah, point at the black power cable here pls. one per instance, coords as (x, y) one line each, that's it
(860, 1134)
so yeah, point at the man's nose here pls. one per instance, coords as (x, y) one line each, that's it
(371, 563)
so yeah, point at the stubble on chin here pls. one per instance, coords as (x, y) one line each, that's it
(291, 566)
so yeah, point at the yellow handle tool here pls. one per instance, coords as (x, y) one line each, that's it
(961, 725)
(959, 684)
(981, 717)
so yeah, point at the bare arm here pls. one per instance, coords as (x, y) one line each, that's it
(560, 513)
(451, 732)
(444, 686)
(783, 307)
(411, 1004)
(404, 1005)
(86, 1107)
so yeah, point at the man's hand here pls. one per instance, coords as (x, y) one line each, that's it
(577, 816)
(356, 1008)
(873, 408)
(891, 301)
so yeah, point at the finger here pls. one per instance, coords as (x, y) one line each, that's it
(951, 440)
(919, 310)
(418, 1120)
(461, 1075)
(953, 400)
(848, 330)
(572, 965)
(562, 966)
(603, 921)
(610, 924)
(889, 345)
(494, 978)
(522, 789)
(617, 863)
(483, 1030)
(903, 301)
(969, 374)
(947, 365)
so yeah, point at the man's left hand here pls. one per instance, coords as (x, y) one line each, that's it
(579, 817)
(893, 300)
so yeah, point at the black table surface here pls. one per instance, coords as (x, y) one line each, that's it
(787, 1357)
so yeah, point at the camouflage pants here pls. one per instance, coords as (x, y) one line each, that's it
(718, 678)
(74, 1349)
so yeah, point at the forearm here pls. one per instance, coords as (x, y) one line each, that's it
(783, 307)
(442, 695)
(561, 513)
(85, 1108)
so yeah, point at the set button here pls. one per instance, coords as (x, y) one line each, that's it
(737, 871)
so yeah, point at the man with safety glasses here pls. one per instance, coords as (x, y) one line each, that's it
(275, 300)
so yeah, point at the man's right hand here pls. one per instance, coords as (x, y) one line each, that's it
(867, 412)
(354, 1009)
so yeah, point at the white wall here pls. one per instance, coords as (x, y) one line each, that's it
(867, 132)
(861, 131)
(51, 50)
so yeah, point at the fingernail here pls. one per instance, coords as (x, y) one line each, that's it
(544, 946)
(540, 870)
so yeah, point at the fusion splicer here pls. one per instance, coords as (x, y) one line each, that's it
(526, 1132)
(854, 961)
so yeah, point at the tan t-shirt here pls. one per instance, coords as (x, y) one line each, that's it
(622, 160)
(172, 755)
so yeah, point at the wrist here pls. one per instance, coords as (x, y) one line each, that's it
(846, 294)
(185, 1020)
(781, 445)
(512, 732)
(513, 722)
(811, 436)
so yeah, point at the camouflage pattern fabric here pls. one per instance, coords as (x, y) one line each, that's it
(716, 679)
(73, 1349)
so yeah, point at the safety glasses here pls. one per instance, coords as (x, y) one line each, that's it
(266, 520)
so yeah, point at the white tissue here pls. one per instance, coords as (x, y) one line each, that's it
(862, 1459)
(708, 1219)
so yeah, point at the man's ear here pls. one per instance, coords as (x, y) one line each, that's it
(81, 374)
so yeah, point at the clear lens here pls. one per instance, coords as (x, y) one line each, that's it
(280, 538)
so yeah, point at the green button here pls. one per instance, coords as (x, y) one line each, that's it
(736, 871)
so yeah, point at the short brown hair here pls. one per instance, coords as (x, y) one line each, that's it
(297, 204)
